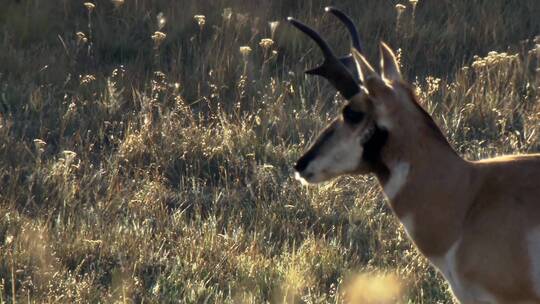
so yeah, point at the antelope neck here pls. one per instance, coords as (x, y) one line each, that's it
(429, 190)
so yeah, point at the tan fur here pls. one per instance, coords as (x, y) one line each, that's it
(488, 206)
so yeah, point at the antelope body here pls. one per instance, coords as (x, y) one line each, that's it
(477, 222)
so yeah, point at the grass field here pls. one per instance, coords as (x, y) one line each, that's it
(146, 147)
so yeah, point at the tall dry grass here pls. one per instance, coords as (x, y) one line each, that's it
(145, 158)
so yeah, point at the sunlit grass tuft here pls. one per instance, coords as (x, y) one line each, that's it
(374, 289)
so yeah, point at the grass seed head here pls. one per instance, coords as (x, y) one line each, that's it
(81, 38)
(266, 43)
(273, 27)
(40, 145)
(87, 79)
(400, 8)
(89, 6)
(118, 3)
(158, 38)
(9, 240)
(200, 19)
(227, 14)
(161, 20)
(245, 51)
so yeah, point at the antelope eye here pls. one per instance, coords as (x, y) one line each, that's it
(352, 116)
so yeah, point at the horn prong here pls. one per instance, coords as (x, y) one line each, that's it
(316, 71)
(332, 68)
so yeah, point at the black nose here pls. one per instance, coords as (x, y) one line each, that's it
(303, 162)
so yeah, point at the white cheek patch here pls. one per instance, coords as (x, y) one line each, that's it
(347, 156)
(342, 157)
(398, 178)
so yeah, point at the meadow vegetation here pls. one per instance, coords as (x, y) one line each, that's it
(146, 146)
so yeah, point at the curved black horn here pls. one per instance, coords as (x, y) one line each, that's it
(351, 27)
(332, 68)
(327, 52)
(348, 60)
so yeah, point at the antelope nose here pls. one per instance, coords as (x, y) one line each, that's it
(302, 164)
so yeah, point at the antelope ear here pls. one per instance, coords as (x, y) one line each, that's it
(389, 64)
(365, 70)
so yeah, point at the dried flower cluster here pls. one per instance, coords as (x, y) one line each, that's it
(493, 59)
(89, 6)
(158, 38)
(266, 43)
(200, 19)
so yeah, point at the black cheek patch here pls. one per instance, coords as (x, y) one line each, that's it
(372, 153)
(351, 116)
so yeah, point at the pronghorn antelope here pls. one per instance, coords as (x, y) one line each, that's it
(478, 222)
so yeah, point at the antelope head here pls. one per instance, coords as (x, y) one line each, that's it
(378, 108)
